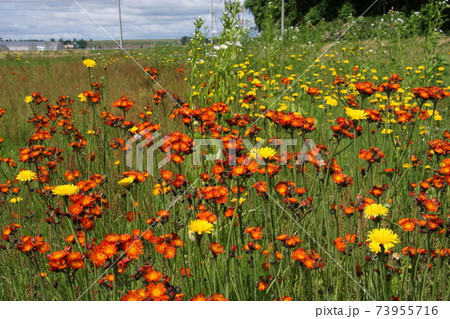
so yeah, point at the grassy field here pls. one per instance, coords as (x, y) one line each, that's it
(331, 182)
(133, 44)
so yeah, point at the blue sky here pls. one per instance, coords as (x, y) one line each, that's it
(141, 19)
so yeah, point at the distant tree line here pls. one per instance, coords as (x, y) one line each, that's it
(29, 40)
(300, 11)
(185, 40)
(78, 44)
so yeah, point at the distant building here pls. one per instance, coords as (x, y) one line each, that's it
(31, 46)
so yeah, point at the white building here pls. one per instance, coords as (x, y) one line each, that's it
(31, 46)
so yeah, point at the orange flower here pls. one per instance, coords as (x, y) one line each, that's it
(148, 235)
(350, 238)
(57, 255)
(431, 206)
(340, 245)
(216, 249)
(97, 257)
(152, 72)
(185, 272)
(65, 259)
(219, 194)
(166, 175)
(229, 212)
(167, 250)
(255, 232)
(71, 175)
(75, 260)
(342, 180)
(123, 103)
(150, 274)
(111, 238)
(262, 285)
(238, 170)
(309, 263)
(408, 224)
(431, 92)
(284, 188)
(30, 244)
(217, 297)
(133, 248)
(206, 215)
(70, 238)
(108, 248)
(377, 191)
(289, 241)
(170, 252)
(292, 241)
(199, 297)
(310, 259)
(366, 88)
(312, 91)
(156, 291)
(372, 155)
(299, 254)
(177, 158)
(134, 295)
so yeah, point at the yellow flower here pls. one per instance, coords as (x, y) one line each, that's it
(331, 102)
(66, 190)
(26, 176)
(386, 131)
(161, 189)
(382, 236)
(126, 182)
(200, 226)
(437, 116)
(15, 200)
(28, 99)
(241, 200)
(82, 97)
(355, 114)
(264, 152)
(375, 210)
(117, 163)
(89, 63)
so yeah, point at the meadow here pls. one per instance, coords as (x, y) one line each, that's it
(296, 170)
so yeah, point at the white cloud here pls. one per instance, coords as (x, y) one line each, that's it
(141, 19)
